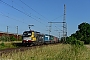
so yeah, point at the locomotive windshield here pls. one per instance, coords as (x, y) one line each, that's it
(27, 33)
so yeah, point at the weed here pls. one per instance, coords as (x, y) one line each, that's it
(54, 52)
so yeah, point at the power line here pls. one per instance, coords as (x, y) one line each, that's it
(57, 28)
(19, 5)
(12, 18)
(38, 12)
(12, 2)
(33, 9)
(19, 10)
(64, 25)
(57, 18)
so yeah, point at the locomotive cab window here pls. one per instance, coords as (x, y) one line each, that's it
(27, 33)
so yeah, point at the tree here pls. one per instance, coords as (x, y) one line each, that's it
(83, 33)
(84, 29)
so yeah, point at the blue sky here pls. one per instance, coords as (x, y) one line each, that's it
(39, 12)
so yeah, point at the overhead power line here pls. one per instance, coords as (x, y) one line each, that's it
(57, 18)
(19, 10)
(12, 18)
(30, 12)
(38, 12)
(33, 9)
(64, 24)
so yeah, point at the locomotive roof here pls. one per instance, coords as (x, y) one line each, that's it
(35, 32)
(32, 31)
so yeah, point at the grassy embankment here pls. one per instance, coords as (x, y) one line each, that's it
(5, 45)
(52, 52)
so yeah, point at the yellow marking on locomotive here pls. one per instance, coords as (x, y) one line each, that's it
(33, 37)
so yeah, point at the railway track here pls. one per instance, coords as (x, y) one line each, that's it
(10, 50)
(21, 48)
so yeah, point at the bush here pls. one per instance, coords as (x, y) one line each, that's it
(74, 41)
(77, 42)
(4, 37)
(12, 38)
(20, 38)
(2, 44)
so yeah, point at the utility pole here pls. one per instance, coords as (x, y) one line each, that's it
(64, 25)
(7, 29)
(66, 29)
(59, 35)
(58, 22)
(17, 32)
(7, 33)
(59, 31)
(30, 26)
(50, 28)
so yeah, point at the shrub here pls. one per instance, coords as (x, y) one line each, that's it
(12, 38)
(77, 42)
(2, 44)
(74, 41)
(5, 37)
(20, 38)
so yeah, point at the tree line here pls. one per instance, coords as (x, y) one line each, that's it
(9, 38)
(81, 35)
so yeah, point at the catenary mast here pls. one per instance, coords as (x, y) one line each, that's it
(64, 25)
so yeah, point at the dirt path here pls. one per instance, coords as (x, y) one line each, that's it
(88, 46)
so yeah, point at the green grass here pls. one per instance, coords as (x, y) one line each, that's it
(52, 52)
(5, 45)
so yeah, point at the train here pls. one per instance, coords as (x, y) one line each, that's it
(32, 37)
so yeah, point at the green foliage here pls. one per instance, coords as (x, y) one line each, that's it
(84, 29)
(20, 38)
(12, 38)
(4, 38)
(77, 43)
(83, 33)
(72, 40)
(2, 44)
(5, 45)
(62, 40)
(86, 40)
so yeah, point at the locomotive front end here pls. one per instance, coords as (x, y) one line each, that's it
(28, 37)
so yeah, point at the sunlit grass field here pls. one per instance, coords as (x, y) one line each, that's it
(51, 52)
(5, 45)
